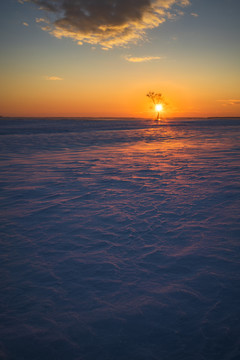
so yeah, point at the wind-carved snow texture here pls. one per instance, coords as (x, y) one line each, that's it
(120, 239)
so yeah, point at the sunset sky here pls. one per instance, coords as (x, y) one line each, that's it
(101, 57)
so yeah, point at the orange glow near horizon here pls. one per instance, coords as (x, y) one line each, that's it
(93, 94)
(57, 99)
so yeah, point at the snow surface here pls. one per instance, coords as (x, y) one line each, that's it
(119, 239)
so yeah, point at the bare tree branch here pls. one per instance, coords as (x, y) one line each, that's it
(155, 97)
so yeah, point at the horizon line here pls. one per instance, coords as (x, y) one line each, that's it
(118, 117)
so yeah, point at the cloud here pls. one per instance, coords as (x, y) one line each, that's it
(194, 14)
(142, 59)
(25, 23)
(39, 20)
(107, 22)
(53, 78)
(230, 102)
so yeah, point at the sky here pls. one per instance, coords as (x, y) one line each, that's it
(101, 57)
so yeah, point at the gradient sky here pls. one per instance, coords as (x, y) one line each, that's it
(89, 58)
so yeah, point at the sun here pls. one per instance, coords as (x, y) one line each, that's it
(158, 107)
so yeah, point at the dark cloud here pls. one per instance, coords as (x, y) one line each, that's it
(106, 22)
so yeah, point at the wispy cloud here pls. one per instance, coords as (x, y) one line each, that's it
(25, 24)
(53, 78)
(230, 102)
(40, 20)
(141, 59)
(107, 23)
(194, 14)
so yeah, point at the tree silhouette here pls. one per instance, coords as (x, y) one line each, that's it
(157, 99)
